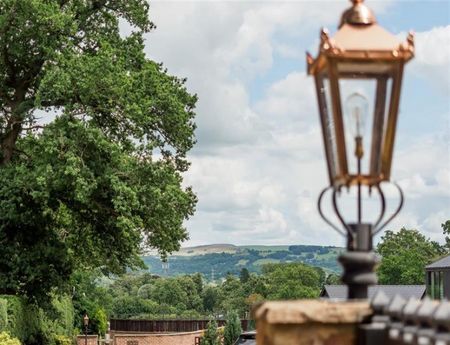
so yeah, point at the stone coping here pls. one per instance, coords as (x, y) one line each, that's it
(89, 336)
(311, 311)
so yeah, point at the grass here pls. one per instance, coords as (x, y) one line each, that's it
(265, 248)
(261, 262)
(242, 262)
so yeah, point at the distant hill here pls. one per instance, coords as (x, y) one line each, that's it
(215, 261)
(204, 249)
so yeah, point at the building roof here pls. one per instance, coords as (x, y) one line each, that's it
(406, 291)
(441, 263)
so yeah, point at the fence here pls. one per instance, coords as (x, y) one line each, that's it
(398, 322)
(165, 326)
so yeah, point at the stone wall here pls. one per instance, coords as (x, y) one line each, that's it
(187, 338)
(307, 322)
(91, 340)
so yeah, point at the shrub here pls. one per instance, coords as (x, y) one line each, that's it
(6, 339)
(17, 322)
(211, 335)
(63, 316)
(100, 321)
(63, 340)
(33, 325)
(232, 329)
(3, 314)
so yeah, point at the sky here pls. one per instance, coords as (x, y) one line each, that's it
(258, 165)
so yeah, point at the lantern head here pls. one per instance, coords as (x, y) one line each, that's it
(358, 75)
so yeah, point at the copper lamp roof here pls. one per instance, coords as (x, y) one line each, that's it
(360, 37)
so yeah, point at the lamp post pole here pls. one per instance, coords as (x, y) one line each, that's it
(86, 323)
(359, 260)
(363, 65)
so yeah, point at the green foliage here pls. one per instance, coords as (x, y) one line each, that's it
(85, 190)
(61, 315)
(145, 296)
(244, 275)
(232, 329)
(26, 321)
(446, 230)
(99, 321)
(130, 306)
(91, 298)
(37, 326)
(6, 339)
(232, 295)
(170, 292)
(211, 336)
(404, 256)
(3, 314)
(211, 298)
(292, 281)
(63, 340)
(333, 279)
(17, 317)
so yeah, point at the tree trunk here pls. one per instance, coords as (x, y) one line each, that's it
(8, 143)
(14, 127)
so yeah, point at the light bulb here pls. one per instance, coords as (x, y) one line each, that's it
(357, 108)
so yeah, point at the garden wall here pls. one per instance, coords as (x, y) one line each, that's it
(185, 338)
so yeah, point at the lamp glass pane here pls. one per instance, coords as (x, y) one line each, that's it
(383, 100)
(380, 76)
(358, 119)
(328, 126)
(330, 130)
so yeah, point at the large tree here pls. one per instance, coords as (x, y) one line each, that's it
(404, 255)
(93, 141)
(292, 280)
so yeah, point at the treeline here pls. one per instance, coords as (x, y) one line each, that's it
(149, 296)
(146, 296)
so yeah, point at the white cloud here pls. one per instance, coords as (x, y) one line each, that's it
(432, 57)
(423, 168)
(258, 166)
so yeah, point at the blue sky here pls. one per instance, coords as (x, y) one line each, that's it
(258, 165)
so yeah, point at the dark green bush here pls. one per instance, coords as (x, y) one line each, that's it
(33, 325)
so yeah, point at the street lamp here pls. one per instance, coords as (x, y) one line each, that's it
(86, 324)
(358, 75)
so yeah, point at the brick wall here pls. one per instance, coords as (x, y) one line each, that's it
(91, 340)
(187, 338)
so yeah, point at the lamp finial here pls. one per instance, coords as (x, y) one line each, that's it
(358, 14)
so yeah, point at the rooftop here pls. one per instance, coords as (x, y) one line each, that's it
(441, 263)
(406, 291)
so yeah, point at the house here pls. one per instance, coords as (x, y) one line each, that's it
(437, 277)
(406, 291)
